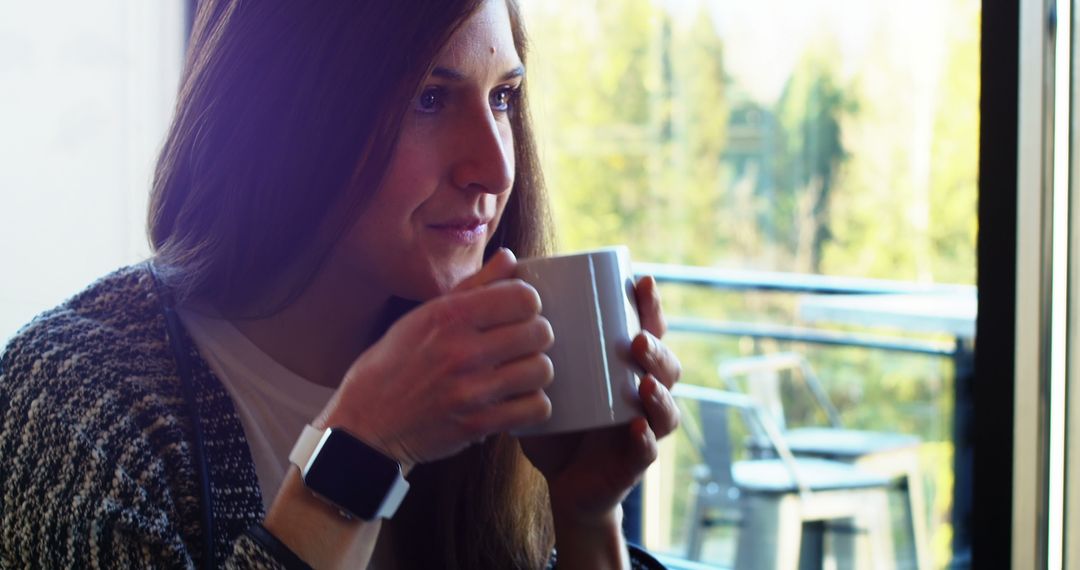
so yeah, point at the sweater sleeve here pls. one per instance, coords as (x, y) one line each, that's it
(257, 548)
(97, 470)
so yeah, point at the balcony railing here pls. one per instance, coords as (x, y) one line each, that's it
(946, 343)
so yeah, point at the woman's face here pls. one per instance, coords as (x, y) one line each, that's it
(426, 227)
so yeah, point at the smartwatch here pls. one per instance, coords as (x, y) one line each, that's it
(356, 479)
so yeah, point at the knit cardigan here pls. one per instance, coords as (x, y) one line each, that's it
(96, 443)
(97, 461)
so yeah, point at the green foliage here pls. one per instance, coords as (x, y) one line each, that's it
(954, 173)
(810, 112)
(633, 147)
(905, 202)
(862, 166)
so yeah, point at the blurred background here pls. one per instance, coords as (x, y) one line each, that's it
(767, 156)
(88, 90)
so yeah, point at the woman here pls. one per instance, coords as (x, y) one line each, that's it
(333, 218)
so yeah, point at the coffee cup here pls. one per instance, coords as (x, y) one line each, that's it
(588, 298)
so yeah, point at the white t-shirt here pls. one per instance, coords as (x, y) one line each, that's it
(274, 403)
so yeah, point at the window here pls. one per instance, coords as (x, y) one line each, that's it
(815, 164)
(88, 94)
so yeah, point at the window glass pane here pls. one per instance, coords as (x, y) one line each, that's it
(797, 149)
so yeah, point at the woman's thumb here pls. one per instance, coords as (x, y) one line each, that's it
(501, 265)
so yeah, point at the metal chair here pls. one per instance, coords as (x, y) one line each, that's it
(893, 455)
(776, 501)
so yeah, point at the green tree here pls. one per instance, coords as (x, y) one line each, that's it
(954, 172)
(806, 159)
(632, 113)
(692, 123)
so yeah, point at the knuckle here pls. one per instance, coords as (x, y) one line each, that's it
(542, 407)
(447, 314)
(666, 420)
(661, 325)
(676, 418)
(676, 369)
(535, 372)
(527, 296)
(652, 451)
(542, 333)
(465, 353)
(457, 360)
(461, 395)
(531, 373)
(547, 369)
(647, 452)
(473, 427)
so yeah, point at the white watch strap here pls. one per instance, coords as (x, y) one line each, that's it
(305, 447)
(393, 498)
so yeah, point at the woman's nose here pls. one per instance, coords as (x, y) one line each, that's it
(485, 159)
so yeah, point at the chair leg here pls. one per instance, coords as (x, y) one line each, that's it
(696, 523)
(845, 533)
(864, 539)
(882, 555)
(812, 548)
(916, 515)
(903, 465)
(771, 534)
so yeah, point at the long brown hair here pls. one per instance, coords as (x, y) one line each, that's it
(287, 118)
(285, 110)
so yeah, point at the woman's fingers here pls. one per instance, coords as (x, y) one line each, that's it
(659, 405)
(519, 411)
(649, 310)
(639, 449)
(488, 306)
(645, 437)
(508, 343)
(526, 374)
(656, 358)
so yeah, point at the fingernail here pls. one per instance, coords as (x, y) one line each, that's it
(509, 252)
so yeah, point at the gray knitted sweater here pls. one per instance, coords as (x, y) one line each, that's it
(97, 467)
(96, 443)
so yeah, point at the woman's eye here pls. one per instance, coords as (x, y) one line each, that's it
(431, 100)
(502, 99)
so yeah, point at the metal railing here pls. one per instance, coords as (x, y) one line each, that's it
(959, 351)
(798, 283)
(741, 280)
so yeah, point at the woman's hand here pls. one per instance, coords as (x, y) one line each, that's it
(452, 371)
(590, 473)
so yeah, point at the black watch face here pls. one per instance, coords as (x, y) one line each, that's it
(351, 475)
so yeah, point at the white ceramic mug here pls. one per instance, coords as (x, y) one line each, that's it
(588, 298)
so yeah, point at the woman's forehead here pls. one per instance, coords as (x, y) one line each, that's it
(483, 42)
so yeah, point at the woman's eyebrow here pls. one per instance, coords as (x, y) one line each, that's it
(518, 71)
(451, 74)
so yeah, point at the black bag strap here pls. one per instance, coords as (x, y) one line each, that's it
(187, 386)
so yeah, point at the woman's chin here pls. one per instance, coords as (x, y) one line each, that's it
(450, 279)
(436, 282)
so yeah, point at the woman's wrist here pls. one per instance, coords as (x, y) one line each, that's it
(591, 541)
(338, 418)
(315, 531)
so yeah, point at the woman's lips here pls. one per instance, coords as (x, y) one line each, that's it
(466, 232)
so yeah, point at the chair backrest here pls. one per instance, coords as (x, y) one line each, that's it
(713, 439)
(760, 377)
(710, 436)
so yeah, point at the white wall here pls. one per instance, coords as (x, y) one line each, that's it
(86, 93)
